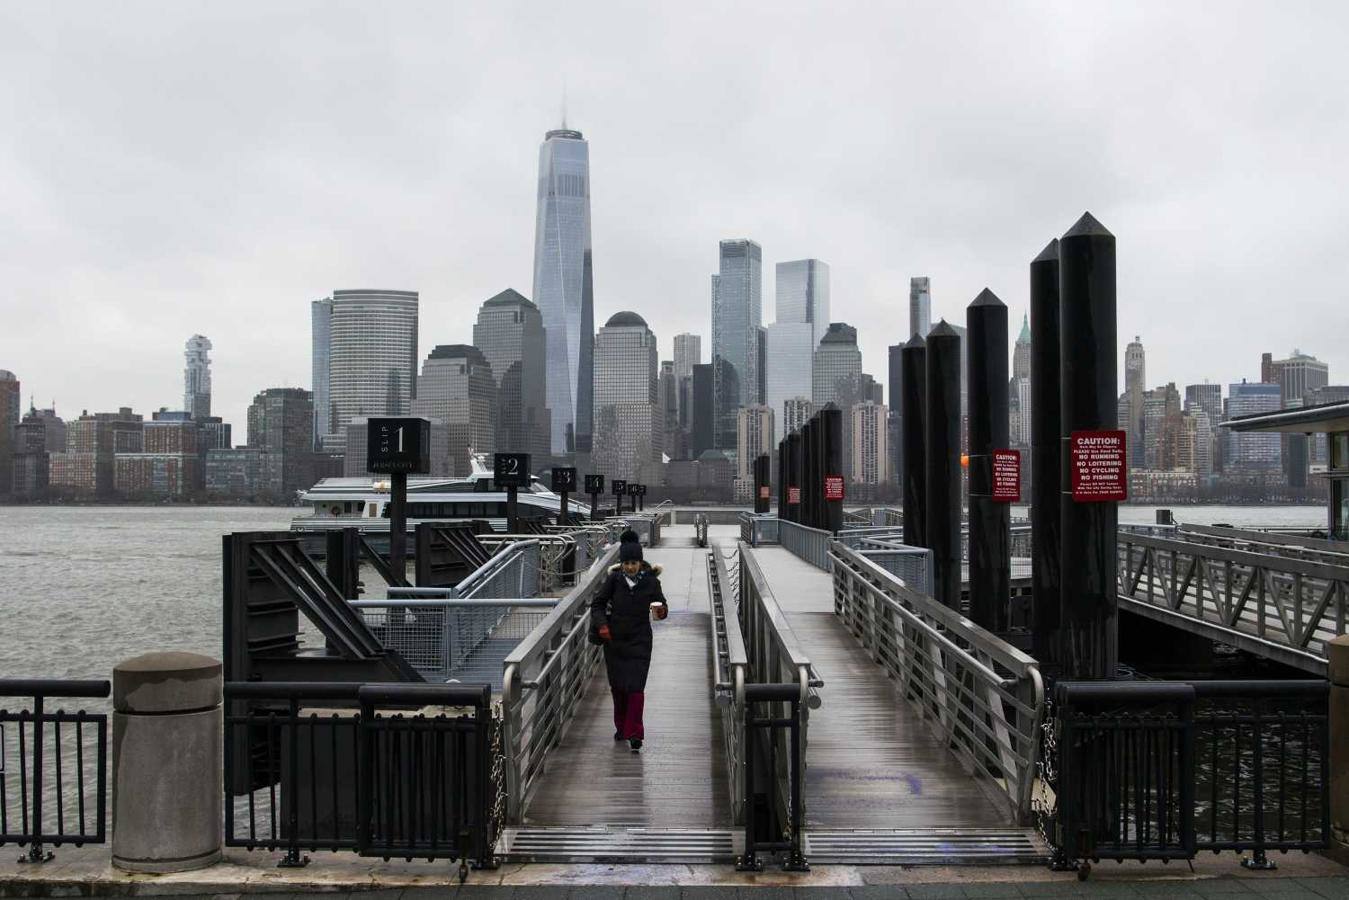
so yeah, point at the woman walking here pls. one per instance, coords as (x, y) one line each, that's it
(620, 619)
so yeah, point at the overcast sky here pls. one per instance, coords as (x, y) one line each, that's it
(179, 167)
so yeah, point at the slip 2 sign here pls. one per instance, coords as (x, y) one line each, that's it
(1099, 471)
(833, 487)
(1006, 476)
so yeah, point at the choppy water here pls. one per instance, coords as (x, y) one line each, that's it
(82, 588)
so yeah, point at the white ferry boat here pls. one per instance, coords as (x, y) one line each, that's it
(364, 502)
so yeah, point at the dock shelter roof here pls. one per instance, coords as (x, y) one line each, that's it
(1325, 418)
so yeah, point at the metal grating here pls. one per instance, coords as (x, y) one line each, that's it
(926, 847)
(601, 844)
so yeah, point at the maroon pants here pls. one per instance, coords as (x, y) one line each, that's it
(628, 713)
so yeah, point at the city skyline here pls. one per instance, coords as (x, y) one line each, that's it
(100, 241)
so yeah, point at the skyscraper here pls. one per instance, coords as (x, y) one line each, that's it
(510, 334)
(321, 325)
(920, 306)
(1135, 386)
(1021, 351)
(197, 377)
(457, 390)
(736, 319)
(803, 295)
(563, 287)
(372, 358)
(796, 413)
(702, 418)
(754, 437)
(869, 443)
(688, 352)
(628, 430)
(789, 360)
(1252, 451)
(9, 427)
(838, 367)
(280, 424)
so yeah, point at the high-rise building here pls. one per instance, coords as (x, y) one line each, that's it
(837, 368)
(920, 305)
(796, 412)
(1161, 414)
(869, 444)
(674, 438)
(1209, 399)
(457, 390)
(628, 429)
(563, 286)
(1246, 451)
(702, 416)
(510, 334)
(803, 295)
(320, 327)
(754, 437)
(737, 317)
(1021, 351)
(688, 352)
(9, 427)
(1298, 375)
(40, 433)
(197, 377)
(1267, 375)
(281, 423)
(372, 358)
(1135, 386)
(789, 361)
(87, 467)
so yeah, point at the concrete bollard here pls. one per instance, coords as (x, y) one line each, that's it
(1338, 652)
(167, 745)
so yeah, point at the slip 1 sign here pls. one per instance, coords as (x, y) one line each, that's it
(1099, 471)
(793, 496)
(833, 487)
(1006, 476)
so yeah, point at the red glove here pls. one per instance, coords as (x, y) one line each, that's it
(604, 634)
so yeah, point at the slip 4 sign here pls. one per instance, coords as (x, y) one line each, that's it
(1099, 471)
(833, 487)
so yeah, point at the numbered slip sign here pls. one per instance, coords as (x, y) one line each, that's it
(398, 445)
(511, 470)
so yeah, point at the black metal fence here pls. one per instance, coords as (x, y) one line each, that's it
(396, 769)
(1163, 770)
(53, 766)
(774, 752)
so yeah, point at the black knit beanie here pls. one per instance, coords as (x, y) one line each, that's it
(629, 551)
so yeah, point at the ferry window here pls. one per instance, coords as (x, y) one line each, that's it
(1339, 450)
(1339, 509)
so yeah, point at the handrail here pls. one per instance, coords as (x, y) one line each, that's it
(730, 667)
(543, 679)
(779, 628)
(978, 693)
(806, 543)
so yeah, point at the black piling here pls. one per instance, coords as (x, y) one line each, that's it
(1089, 390)
(990, 522)
(1046, 438)
(942, 456)
(831, 421)
(792, 479)
(762, 484)
(913, 420)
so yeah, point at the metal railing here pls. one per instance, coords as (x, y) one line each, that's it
(885, 546)
(700, 526)
(1274, 606)
(1165, 770)
(981, 696)
(543, 680)
(557, 557)
(1273, 543)
(730, 673)
(773, 741)
(380, 769)
(757, 529)
(45, 791)
(809, 544)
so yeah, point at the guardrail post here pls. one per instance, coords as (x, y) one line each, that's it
(1088, 380)
(167, 746)
(1046, 452)
(990, 521)
(1337, 651)
(943, 461)
(913, 422)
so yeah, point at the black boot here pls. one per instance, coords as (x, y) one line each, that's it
(635, 744)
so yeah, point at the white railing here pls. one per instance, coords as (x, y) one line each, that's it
(981, 696)
(730, 668)
(809, 544)
(543, 680)
(757, 529)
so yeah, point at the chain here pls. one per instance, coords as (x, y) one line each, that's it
(498, 771)
(1046, 817)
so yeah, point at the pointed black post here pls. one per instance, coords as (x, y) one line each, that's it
(793, 478)
(831, 420)
(913, 421)
(1089, 388)
(1046, 453)
(762, 483)
(990, 522)
(942, 452)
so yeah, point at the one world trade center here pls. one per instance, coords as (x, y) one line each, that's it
(562, 285)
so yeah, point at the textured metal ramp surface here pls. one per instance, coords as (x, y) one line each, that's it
(912, 847)
(603, 844)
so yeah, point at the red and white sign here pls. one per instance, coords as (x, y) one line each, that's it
(1099, 472)
(833, 487)
(763, 492)
(793, 496)
(1006, 476)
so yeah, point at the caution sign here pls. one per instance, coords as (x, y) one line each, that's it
(763, 492)
(793, 496)
(1099, 471)
(833, 487)
(1006, 476)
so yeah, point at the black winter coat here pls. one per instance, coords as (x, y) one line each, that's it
(627, 612)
